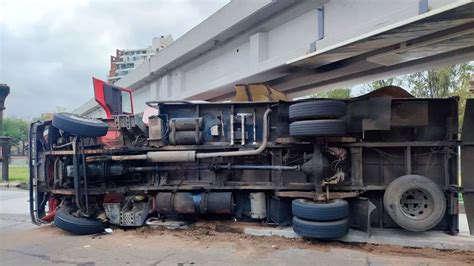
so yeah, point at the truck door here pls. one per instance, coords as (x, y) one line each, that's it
(467, 162)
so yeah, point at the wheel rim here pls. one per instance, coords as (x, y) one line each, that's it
(417, 204)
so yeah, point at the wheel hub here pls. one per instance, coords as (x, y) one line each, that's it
(416, 204)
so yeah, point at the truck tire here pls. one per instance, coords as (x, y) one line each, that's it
(415, 202)
(317, 109)
(75, 225)
(321, 230)
(80, 125)
(317, 211)
(318, 128)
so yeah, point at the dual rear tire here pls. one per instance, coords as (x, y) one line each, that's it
(317, 110)
(319, 118)
(414, 202)
(318, 128)
(320, 220)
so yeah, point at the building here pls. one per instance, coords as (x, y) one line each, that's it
(126, 60)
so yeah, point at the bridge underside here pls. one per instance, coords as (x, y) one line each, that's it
(301, 47)
(413, 45)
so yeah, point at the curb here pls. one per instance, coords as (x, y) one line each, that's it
(431, 239)
(10, 184)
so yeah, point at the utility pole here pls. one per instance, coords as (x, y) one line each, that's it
(4, 141)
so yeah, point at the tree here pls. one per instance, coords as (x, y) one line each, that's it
(440, 82)
(443, 82)
(15, 128)
(342, 93)
(463, 94)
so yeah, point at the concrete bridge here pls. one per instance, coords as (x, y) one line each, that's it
(302, 47)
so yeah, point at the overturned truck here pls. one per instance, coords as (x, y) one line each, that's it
(382, 160)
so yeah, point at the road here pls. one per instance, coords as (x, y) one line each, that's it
(25, 244)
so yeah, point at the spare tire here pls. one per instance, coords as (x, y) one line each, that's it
(76, 225)
(318, 211)
(318, 128)
(80, 125)
(321, 230)
(415, 202)
(317, 109)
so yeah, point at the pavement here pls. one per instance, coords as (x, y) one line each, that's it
(431, 239)
(25, 244)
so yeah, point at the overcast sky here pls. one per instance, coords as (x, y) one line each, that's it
(49, 50)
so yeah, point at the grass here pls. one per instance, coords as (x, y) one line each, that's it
(18, 173)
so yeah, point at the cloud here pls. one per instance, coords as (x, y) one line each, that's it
(49, 50)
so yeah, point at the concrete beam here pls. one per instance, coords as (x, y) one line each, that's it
(264, 41)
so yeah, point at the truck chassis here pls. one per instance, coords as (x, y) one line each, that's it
(381, 160)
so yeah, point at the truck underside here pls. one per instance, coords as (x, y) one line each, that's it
(392, 158)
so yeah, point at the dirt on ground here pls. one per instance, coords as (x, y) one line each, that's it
(211, 233)
(207, 242)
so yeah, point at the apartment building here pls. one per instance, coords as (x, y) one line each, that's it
(126, 60)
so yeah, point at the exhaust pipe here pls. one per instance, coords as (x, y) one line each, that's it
(155, 157)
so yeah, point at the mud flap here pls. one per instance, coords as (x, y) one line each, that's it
(360, 210)
(467, 163)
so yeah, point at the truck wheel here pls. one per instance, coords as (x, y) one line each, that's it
(318, 211)
(415, 202)
(78, 226)
(317, 109)
(321, 230)
(318, 128)
(80, 125)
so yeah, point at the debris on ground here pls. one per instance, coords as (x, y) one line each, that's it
(210, 232)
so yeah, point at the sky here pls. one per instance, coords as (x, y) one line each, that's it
(50, 49)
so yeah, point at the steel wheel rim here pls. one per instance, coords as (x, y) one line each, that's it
(416, 204)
